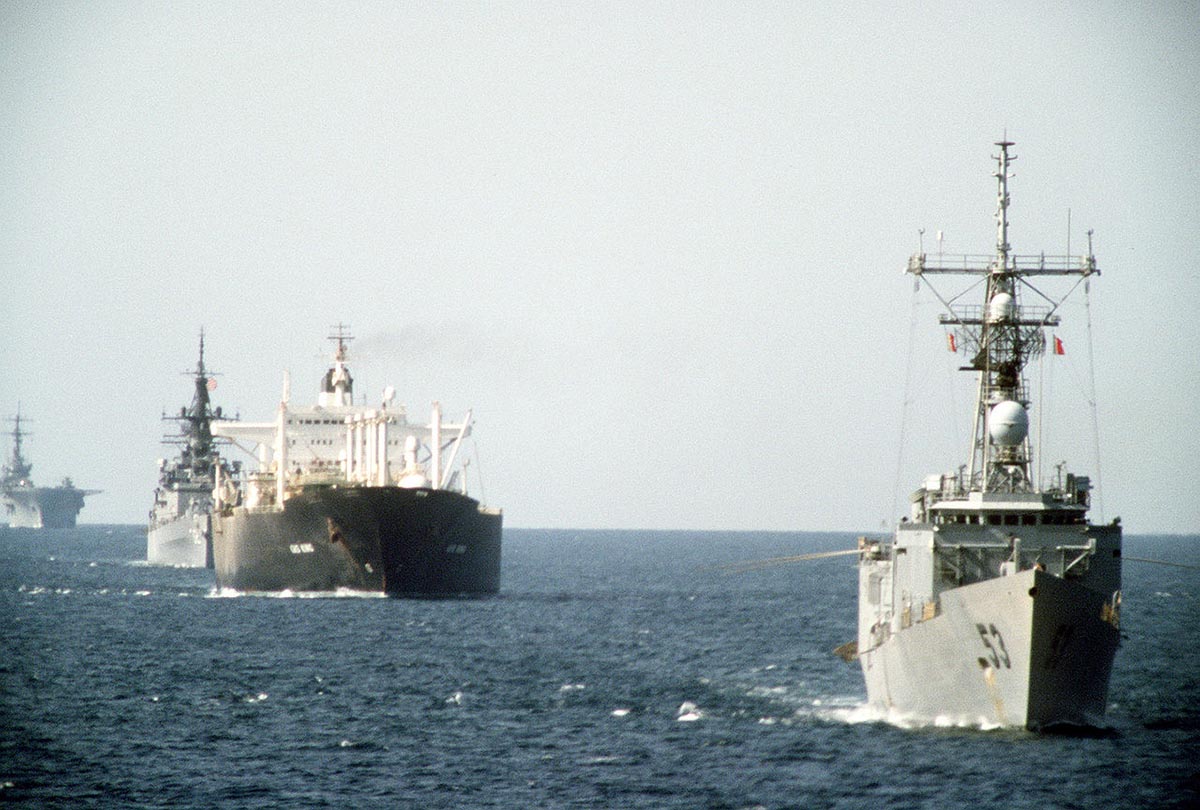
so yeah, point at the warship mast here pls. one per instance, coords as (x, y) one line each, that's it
(1000, 337)
(17, 472)
(197, 451)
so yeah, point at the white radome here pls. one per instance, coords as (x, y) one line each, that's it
(1000, 308)
(1008, 423)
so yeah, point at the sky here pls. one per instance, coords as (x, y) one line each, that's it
(657, 248)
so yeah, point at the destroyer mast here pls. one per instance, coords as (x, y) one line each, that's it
(179, 532)
(1001, 337)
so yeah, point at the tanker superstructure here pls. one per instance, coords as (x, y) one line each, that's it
(180, 529)
(997, 602)
(28, 506)
(353, 497)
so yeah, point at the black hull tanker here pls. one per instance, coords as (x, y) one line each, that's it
(355, 498)
(403, 542)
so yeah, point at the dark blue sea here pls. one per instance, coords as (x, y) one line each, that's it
(616, 670)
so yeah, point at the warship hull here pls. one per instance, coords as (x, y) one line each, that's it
(388, 539)
(184, 541)
(1029, 650)
(42, 507)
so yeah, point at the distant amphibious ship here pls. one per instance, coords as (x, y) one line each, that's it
(997, 602)
(180, 528)
(353, 497)
(33, 507)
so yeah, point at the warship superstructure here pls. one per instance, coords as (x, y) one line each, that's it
(353, 497)
(27, 506)
(997, 602)
(180, 528)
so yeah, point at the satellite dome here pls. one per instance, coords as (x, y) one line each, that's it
(1000, 308)
(1008, 422)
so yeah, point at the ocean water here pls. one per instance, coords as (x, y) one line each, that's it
(617, 669)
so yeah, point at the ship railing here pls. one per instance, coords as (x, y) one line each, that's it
(965, 563)
(1085, 551)
(1033, 264)
(953, 561)
(318, 472)
(977, 315)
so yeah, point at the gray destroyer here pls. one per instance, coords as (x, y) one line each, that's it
(180, 528)
(347, 496)
(997, 602)
(27, 506)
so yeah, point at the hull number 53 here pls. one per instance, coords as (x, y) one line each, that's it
(993, 642)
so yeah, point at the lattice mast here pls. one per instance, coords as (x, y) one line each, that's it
(1001, 337)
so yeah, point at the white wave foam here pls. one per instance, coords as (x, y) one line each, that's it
(223, 593)
(767, 691)
(288, 593)
(688, 712)
(38, 590)
(600, 759)
(862, 712)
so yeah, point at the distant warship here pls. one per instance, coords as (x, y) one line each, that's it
(33, 507)
(997, 602)
(354, 497)
(180, 529)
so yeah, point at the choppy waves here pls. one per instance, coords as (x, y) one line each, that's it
(615, 671)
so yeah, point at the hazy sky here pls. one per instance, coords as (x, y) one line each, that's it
(657, 247)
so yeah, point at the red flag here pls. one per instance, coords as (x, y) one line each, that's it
(950, 339)
(212, 384)
(1058, 347)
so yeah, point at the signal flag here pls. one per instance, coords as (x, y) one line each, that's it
(950, 340)
(1058, 345)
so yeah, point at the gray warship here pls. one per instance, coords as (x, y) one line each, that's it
(997, 602)
(27, 506)
(353, 497)
(180, 528)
